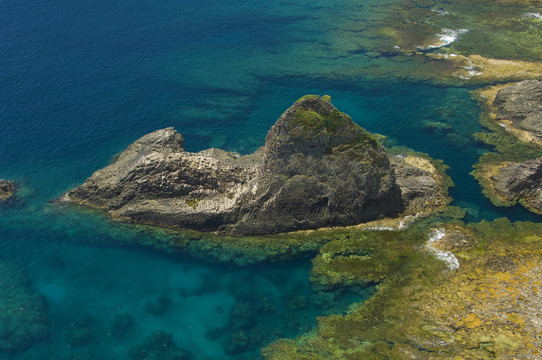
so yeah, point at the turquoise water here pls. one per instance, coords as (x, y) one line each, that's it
(82, 80)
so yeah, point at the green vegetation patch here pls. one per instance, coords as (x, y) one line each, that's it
(421, 309)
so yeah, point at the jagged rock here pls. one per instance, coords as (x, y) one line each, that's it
(7, 191)
(317, 168)
(520, 181)
(521, 104)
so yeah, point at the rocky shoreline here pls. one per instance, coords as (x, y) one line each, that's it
(316, 169)
(514, 176)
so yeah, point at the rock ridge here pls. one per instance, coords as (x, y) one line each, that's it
(317, 168)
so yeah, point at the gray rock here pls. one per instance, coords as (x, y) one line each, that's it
(521, 181)
(521, 103)
(317, 168)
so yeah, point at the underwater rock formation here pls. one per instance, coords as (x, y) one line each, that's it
(317, 168)
(7, 191)
(159, 346)
(22, 313)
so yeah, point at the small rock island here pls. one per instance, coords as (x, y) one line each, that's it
(317, 168)
(7, 191)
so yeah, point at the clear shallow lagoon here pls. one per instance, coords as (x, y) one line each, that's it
(80, 81)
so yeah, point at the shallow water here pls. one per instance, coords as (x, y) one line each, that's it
(80, 81)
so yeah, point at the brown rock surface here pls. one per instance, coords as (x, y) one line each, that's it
(317, 168)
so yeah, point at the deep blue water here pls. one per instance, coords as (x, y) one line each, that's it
(79, 81)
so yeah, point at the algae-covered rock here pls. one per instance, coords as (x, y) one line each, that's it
(7, 191)
(514, 113)
(22, 313)
(317, 168)
(488, 308)
(511, 182)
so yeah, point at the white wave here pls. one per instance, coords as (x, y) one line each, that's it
(446, 37)
(446, 256)
(440, 11)
(533, 15)
(403, 224)
(473, 70)
(380, 228)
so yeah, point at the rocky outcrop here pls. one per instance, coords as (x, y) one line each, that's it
(520, 182)
(7, 191)
(521, 104)
(508, 178)
(317, 168)
(518, 108)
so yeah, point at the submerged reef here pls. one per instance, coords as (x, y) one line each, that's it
(159, 346)
(317, 168)
(22, 313)
(514, 113)
(424, 308)
(7, 191)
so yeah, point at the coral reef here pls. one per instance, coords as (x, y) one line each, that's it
(159, 346)
(81, 332)
(122, 326)
(22, 313)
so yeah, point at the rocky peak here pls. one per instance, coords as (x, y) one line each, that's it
(313, 128)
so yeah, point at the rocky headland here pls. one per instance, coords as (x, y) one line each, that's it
(7, 191)
(317, 169)
(514, 176)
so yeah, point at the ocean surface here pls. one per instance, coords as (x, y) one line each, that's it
(80, 81)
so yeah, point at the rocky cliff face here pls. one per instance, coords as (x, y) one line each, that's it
(317, 168)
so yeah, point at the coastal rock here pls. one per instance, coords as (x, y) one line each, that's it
(518, 108)
(520, 182)
(317, 168)
(421, 184)
(7, 191)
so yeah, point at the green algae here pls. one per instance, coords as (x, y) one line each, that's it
(416, 304)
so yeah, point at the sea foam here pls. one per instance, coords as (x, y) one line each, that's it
(533, 15)
(446, 37)
(446, 256)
